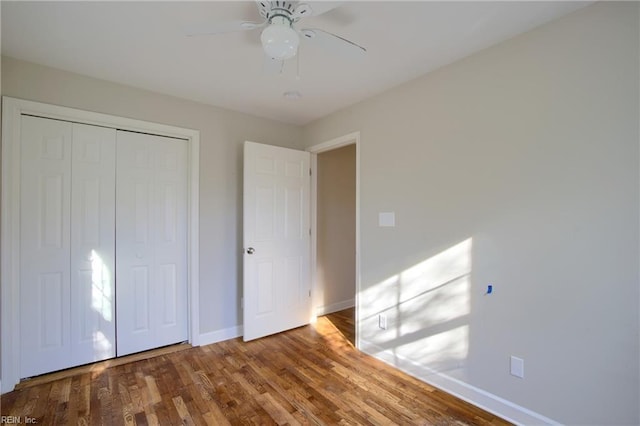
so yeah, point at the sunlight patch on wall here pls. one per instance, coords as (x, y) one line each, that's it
(426, 307)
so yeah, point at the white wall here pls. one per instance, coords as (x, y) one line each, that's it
(222, 133)
(516, 167)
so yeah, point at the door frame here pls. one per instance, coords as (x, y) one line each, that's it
(339, 142)
(12, 110)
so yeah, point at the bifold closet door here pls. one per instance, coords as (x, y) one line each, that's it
(66, 245)
(151, 241)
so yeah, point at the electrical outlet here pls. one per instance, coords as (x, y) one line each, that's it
(517, 367)
(382, 321)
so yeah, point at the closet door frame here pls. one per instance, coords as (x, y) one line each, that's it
(12, 111)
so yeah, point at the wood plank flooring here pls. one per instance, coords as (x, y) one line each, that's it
(310, 375)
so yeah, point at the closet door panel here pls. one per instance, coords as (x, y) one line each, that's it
(93, 244)
(134, 250)
(151, 242)
(45, 180)
(171, 245)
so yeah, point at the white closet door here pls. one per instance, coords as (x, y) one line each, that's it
(151, 242)
(93, 244)
(45, 186)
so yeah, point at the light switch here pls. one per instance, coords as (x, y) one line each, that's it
(517, 367)
(387, 219)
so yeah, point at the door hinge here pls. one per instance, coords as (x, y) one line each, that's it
(309, 172)
(242, 303)
(309, 293)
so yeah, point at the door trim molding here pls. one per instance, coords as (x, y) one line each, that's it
(12, 110)
(339, 142)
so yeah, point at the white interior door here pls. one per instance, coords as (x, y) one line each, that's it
(277, 285)
(66, 245)
(151, 242)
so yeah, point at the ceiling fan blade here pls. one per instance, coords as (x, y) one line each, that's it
(302, 10)
(332, 42)
(320, 7)
(222, 28)
(272, 66)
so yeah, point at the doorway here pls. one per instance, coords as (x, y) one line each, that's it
(335, 229)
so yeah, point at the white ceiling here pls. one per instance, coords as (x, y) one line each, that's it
(142, 44)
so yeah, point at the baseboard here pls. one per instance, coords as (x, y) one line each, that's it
(476, 396)
(220, 335)
(335, 307)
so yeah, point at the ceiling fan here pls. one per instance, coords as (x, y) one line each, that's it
(280, 38)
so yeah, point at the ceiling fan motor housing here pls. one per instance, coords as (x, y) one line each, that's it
(292, 10)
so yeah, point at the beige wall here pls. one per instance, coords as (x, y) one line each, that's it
(222, 133)
(336, 228)
(516, 167)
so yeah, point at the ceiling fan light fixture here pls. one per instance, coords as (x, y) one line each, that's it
(280, 41)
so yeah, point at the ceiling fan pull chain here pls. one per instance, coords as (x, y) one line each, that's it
(298, 64)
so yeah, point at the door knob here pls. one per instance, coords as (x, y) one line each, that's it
(251, 250)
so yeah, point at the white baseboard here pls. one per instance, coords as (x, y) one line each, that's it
(335, 307)
(220, 335)
(237, 331)
(476, 396)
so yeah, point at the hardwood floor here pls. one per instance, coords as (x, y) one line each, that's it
(310, 375)
(345, 323)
